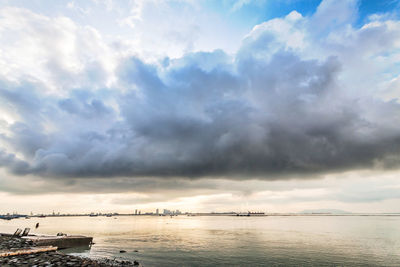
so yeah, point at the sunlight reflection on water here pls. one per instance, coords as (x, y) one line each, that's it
(233, 241)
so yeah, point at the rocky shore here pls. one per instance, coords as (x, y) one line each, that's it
(51, 258)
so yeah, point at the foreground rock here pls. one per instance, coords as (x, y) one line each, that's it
(50, 258)
(7, 242)
(58, 259)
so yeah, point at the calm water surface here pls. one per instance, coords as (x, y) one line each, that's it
(234, 241)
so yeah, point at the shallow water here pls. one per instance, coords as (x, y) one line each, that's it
(233, 241)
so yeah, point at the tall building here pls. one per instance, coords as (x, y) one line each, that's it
(166, 212)
(157, 212)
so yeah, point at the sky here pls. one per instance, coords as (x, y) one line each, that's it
(230, 105)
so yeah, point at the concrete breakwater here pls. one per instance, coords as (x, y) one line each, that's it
(61, 241)
(49, 258)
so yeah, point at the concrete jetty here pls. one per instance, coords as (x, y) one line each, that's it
(62, 241)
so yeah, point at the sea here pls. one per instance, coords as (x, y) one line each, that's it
(230, 240)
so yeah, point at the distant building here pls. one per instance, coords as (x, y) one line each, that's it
(136, 212)
(166, 212)
(157, 212)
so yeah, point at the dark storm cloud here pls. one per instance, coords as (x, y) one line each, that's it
(265, 113)
(266, 119)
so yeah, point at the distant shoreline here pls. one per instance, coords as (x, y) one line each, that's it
(206, 214)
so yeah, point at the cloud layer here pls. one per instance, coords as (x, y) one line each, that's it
(302, 96)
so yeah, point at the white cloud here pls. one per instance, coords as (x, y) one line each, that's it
(238, 4)
(52, 51)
